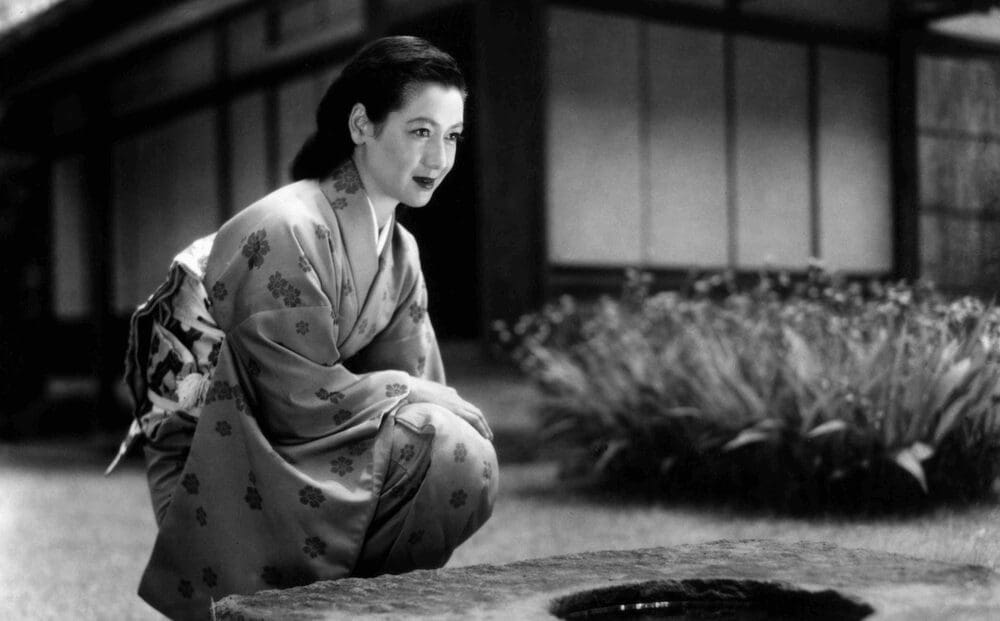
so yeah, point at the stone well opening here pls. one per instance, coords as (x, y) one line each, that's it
(729, 600)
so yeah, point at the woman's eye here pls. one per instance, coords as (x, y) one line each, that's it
(422, 132)
(456, 137)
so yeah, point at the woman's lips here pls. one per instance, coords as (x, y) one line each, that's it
(425, 182)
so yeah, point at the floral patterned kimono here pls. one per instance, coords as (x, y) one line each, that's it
(271, 378)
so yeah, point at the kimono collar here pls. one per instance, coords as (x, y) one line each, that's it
(350, 205)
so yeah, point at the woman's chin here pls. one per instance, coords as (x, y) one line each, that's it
(418, 200)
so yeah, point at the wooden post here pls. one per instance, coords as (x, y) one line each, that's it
(903, 102)
(98, 204)
(510, 117)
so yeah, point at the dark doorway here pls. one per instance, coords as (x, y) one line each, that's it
(446, 229)
(24, 272)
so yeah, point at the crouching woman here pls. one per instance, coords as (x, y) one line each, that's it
(290, 395)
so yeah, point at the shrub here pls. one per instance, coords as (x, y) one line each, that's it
(819, 394)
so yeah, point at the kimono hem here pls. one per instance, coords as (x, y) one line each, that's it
(302, 342)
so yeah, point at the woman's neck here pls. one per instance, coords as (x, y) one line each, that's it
(384, 205)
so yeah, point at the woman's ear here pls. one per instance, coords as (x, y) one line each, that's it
(359, 124)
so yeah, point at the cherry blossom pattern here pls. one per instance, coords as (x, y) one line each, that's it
(209, 577)
(219, 291)
(415, 537)
(417, 312)
(201, 516)
(487, 470)
(271, 575)
(363, 326)
(333, 397)
(339, 203)
(281, 288)
(342, 465)
(406, 453)
(359, 448)
(255, 248)
(460, 453)
(190, 483)
(458, 498)
(311, 496)
(314, 546)
(322, 232)
(218, 391)
(253, 367)
(396, 390)
(223, 428)
(421, 366)
(302, 327)
(347, 288)
(346, 179)
(186, 589)
(253, 499)
(304, 264)
(238, 399)
(341, 417)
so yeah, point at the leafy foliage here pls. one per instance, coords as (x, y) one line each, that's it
(819, 394)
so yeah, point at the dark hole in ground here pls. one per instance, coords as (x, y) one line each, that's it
(736, 600)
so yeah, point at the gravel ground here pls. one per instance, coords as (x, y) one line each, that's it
(73, 543)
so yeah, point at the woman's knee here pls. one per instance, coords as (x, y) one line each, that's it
(460, 457)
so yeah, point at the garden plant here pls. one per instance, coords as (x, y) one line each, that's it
(801, 394)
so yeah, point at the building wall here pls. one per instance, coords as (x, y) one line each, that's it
(958, 142)
(670, 146)
(167, 176)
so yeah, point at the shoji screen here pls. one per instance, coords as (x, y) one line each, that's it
(772, 154)
(855, 202)
(687, 148)
(592, 138)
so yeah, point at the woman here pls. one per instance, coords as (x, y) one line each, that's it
(288, 383)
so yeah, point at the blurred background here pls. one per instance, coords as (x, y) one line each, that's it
(678, 136)
(667, 134)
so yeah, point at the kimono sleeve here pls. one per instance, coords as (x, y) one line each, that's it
(407, 342)
(285, 353)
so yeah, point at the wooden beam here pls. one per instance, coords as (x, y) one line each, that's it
(731, 20)
(813, 93)
(905, 170)
(29, 69)
(915, 13)
(223, 128)
(98, 200)
(731, 120)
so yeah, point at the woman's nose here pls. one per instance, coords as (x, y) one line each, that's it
(435, 155)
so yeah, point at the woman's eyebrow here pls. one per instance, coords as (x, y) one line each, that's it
(430, 121)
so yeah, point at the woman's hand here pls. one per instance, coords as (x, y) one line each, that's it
(439, 394)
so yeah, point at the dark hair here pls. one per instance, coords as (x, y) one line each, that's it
(380, 76)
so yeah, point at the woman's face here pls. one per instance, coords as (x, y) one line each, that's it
(415, 146)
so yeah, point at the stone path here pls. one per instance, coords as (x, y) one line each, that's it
(897, 587)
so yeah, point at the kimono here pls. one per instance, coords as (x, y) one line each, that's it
(271, 374)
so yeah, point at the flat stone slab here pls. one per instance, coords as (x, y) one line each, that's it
(896, 586)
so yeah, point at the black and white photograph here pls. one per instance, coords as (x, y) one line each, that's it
(500, 309)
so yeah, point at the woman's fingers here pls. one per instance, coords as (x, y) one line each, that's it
(474, 417)
(448, 398)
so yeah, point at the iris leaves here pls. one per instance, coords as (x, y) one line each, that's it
(820, 394)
